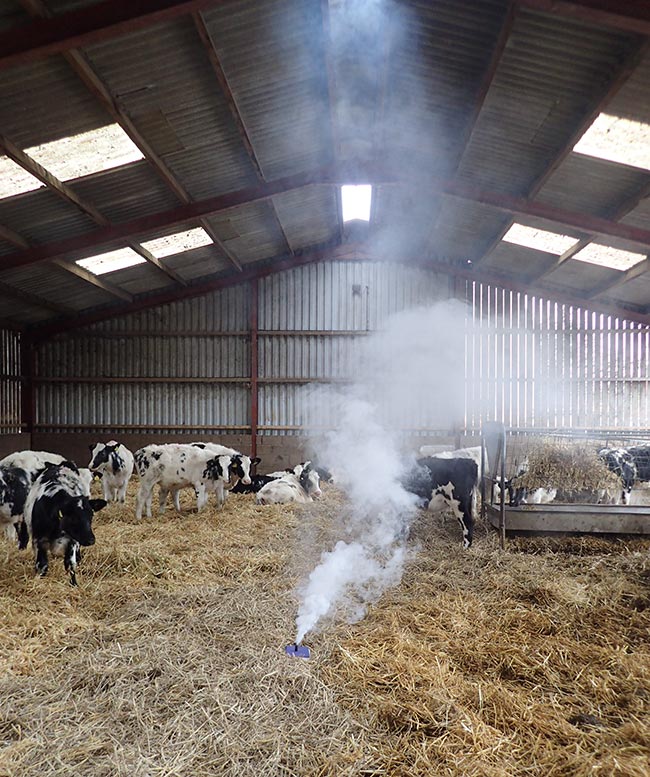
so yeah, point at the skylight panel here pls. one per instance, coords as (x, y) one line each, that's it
(178, 242)
(355, 201)
(617, 140)
(15, 180)
(111, 261)
(606, 256)
(86, 153)
(540, 239)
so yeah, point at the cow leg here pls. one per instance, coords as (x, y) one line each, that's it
(162, 499)
(42, 563)
(143, 500)
(71, 560)
(22, 534)
(105, 489)
(201, 497)
(464, 515)
(176, 496)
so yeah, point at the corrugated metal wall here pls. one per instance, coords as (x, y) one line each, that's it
(181, 367)
(186, 366)
(535, 363)
(10, 383)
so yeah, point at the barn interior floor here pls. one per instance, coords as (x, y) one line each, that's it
(168, 659)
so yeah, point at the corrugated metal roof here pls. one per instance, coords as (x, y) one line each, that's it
(395, 86)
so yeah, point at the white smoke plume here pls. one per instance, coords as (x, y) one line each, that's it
(410, 371)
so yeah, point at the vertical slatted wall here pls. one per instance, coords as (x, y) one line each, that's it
(10, 384)
(537, 364)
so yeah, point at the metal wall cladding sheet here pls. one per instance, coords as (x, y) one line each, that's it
(10, 390)
(143, 404)
(43, 101)
(550, 76)
(145, 357)
(308, 216)
(590, 185)
(42, 216)
(250, 232)
(273, 58)
(164, 81)
(345, 295)
(307, 357)
(220, 311)
(126, 192)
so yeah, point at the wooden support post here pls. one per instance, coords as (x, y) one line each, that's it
(254, 291)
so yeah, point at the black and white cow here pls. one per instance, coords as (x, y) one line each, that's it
(14, 487)
(630, 464)
(31, 462)
(441, 482)
(58, 515)
(302, 484)
(174, 466)
(113, 462)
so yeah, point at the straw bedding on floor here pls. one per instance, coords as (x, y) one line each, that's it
(168, 658)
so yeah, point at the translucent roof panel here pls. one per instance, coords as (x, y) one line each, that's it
(89, 152)
(540, 239)
(15, 180)
(111, 260)
(606, 256)
(178, 242)
(618, 140)
(355, 201)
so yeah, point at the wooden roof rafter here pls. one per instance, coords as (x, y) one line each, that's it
(335, 144)
(92, 24)
(625, 15)
(20, 242)
(68, 194)
(213, 57)
(481, 95)
(623, 73)
(82, 67)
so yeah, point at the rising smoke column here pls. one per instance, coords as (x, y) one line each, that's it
(413, 368)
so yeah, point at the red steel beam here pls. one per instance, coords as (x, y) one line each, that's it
(627, 15)
(75, 29)
(350, 252)
(187, 212)
(254, 386)
(118, 233)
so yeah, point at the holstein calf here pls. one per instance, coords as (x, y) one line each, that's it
(301, 485)
(14, 487)
(58, 515)
(32, 462)
(113, 462)
(176, 466)
(621, 462)
(441, 482)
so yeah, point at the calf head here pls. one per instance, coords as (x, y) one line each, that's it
(101, 454)
(310, 480)
(76, 516)
(240, 468)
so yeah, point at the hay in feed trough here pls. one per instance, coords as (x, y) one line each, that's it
(574, 468)
(168, 659)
